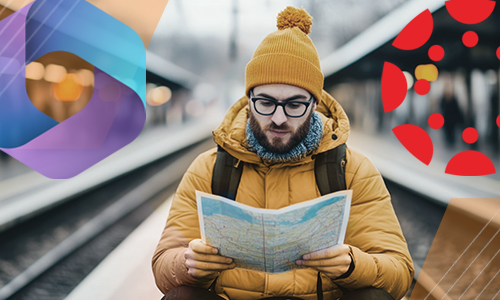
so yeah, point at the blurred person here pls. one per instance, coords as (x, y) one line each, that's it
(452, 114)
(276, 131)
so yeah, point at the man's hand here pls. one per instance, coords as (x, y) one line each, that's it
(203, 262)
(333, 261)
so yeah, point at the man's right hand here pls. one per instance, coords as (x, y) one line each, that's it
(203, 262)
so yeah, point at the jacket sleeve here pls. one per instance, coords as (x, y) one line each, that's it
(182, 226)
(380, 252)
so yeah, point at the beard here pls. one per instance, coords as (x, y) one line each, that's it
(277, 145)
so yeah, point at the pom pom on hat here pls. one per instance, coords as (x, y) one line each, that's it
(294, 17)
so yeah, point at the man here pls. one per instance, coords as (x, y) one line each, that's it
(276, 131)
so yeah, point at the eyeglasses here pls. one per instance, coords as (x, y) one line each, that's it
(292, 109)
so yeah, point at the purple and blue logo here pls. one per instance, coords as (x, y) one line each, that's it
(115, 113)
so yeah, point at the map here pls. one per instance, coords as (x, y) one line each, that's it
(269, 240)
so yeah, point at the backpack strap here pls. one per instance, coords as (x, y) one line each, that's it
(329, 169)
(226, 175)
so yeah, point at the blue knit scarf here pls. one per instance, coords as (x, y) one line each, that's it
(309, 144)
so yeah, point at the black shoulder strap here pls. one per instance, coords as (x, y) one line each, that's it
(329, 168)
(226, 175)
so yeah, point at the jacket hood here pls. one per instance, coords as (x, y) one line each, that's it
(231, 136)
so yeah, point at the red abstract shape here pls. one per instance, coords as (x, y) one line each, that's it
(498, 121)
(436, 121)
(470, 135)
(436, 53)
(498, 52)
(416, 141)
(394, 87)
(470, 12)
(416, 33)
(470, 39)
(422, 87)
(470, 163)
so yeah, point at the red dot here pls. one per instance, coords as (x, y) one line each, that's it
(436, 121)
(470, 39)
(436, 53)
(422, 86)
(470, 135)
(498, 121)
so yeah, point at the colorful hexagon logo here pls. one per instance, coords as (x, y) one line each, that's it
(115, 113)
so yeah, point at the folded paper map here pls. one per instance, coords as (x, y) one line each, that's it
(270, 240)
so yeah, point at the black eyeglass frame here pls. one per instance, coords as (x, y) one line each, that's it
(282, 104)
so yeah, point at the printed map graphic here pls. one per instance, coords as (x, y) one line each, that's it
(271, 240)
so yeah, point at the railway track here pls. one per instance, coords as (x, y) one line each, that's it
(47, 256)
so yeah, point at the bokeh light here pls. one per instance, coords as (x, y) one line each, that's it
(158, 96)
(428, 72)
(68, 89)
(409, 80)
(35, 71)
(85, 77)
(54, 73)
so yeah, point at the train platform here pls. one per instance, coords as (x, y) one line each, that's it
(395, 163)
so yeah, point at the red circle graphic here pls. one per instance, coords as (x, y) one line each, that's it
(470, 39)
(436, 53)
(436, 121)
(470, 135)
(422, 86)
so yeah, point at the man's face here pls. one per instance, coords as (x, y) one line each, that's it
(279, 133)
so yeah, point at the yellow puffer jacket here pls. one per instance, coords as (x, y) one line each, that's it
(379, 249)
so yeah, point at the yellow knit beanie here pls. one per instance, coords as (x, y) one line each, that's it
(287, 55)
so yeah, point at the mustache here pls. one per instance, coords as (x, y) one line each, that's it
(273, 126)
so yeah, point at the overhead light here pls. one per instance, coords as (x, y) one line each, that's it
(85, 77)
(35, 71)
(54, 73)
(158, 96)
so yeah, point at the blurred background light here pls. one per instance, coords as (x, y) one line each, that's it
(85, 77)
(409, 79)
(35, 71)
(54, 73)
(68, 89)
(428, 72)
(158, 95)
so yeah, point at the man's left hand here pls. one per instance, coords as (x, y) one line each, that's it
(333, 261)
